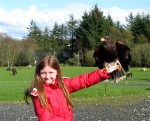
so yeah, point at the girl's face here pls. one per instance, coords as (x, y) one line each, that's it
(48, 75)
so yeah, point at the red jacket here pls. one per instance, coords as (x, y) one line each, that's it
(57, 101)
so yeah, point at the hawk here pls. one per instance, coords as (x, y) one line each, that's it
(109, 53)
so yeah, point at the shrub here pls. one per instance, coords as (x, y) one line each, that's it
(141, 55)
(89, 60)
(74, 61)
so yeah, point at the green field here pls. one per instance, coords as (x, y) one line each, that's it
(138, 87)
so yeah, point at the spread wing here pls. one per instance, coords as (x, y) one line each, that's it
(99, 58)
(124, 55)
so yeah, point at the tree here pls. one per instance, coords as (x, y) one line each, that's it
(141, 55)
(108, 23)
(130, 20)
(8, 51)
(59, 35)
(55, 33)
(140, 25)
(46, 41)
(35, 33)
(92, 28)
(63, 32)
(72, 26)
(28, 48)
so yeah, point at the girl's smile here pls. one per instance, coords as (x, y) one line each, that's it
(48, 75)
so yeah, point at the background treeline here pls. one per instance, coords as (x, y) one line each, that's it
(74, 41)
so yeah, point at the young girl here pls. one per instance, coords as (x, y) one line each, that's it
(50, 92)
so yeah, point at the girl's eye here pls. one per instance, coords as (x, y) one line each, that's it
(42, 73)
(51, 72)
(45, 72)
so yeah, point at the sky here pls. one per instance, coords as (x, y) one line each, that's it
(16, 15)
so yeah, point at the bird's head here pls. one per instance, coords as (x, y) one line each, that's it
(102, 39)
(105, 38)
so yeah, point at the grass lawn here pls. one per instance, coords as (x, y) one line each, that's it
(12, 87)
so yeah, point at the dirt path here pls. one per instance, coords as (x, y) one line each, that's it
(96, 112)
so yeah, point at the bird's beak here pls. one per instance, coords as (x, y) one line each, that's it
(102, 39)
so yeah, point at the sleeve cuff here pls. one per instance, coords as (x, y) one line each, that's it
(103, 73)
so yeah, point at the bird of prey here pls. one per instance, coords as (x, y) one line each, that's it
(109, 53)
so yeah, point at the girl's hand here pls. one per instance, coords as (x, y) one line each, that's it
(112, 68)
(34, 92)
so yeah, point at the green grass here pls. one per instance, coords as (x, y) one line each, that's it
(12, 87)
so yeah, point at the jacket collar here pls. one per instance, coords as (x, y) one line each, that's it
(55, 85)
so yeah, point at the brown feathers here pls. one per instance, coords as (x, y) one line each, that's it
(109, 52)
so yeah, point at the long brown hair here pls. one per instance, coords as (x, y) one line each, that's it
(38, 83)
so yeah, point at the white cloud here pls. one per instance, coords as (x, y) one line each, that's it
(14, 23)
(119, 14)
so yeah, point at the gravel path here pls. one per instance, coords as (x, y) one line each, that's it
(96, 112)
